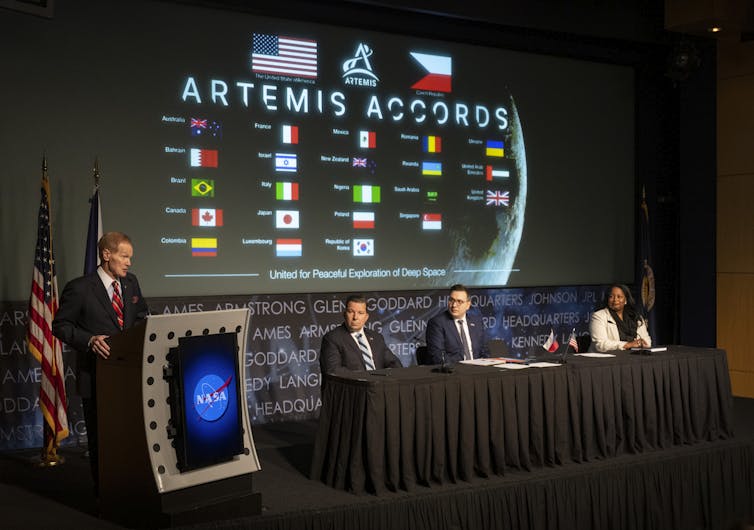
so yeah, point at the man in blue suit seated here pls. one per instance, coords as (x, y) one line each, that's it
(455, 332)
(352, 347)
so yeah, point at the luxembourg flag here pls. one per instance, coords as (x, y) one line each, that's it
(363, 219)
(290, 134)
(439, 70)
(288, 248)
(432, 221)
(551, 344)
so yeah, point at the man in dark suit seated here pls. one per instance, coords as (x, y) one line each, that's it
(351, 346)
(92, 308)
(456, 333)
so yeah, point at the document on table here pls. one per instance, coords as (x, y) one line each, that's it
(595, 354)
(544, 365)
(513, 366)
(484, 362)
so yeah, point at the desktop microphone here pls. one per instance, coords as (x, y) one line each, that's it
(445, 368)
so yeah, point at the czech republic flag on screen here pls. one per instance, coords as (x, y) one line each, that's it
(439, 72)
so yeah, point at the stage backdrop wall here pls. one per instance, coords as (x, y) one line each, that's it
(285, 332)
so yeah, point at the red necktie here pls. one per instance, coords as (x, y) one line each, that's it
(118, 304)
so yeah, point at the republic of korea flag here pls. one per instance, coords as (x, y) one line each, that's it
(363, 247)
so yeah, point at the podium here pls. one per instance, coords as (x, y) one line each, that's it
(140, 482)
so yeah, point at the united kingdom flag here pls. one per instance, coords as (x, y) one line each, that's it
(359, 162)
(498, 198)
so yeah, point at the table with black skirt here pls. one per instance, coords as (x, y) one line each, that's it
(394, 429)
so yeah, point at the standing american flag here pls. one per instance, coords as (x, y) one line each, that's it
(572, 342)
(43, 304)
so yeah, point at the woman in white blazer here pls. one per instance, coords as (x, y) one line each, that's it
(618, 326)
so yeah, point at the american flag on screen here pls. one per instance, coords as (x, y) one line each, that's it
(279, 55)
(43, 304)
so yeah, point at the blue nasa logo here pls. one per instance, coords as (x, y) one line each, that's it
(211, 397)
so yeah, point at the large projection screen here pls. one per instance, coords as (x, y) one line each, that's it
(248, 154)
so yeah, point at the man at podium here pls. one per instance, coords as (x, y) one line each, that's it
(92, 308)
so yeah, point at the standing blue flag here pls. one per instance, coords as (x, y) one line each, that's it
(647, 280)
(94, 232)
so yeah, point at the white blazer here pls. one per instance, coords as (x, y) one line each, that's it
(604, 332)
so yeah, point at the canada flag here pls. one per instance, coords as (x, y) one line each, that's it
(206, 217)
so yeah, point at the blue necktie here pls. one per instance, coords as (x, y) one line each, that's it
(368, 361)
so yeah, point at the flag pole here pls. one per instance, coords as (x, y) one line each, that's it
(94, 229)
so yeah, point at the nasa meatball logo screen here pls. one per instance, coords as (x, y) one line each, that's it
(212, 420)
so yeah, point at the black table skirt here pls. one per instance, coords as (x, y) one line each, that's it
(416, 426)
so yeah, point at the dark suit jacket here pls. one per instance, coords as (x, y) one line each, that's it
(339, 352)
(442, 334)
(86, 310)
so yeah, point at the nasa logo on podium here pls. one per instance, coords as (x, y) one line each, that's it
(211, 397)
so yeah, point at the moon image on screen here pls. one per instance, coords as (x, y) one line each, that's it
(485, 257)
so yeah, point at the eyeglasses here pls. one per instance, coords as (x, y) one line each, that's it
(453, 301)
